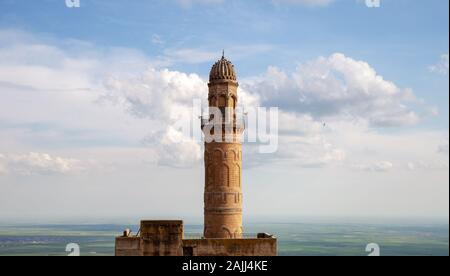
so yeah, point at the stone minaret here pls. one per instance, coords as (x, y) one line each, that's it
(223, 156)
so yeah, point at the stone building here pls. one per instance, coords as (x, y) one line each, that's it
(223, 155)
(223, 231)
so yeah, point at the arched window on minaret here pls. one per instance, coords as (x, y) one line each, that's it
(222, 104)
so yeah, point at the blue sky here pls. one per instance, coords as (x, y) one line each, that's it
(401, 39)
(111, 62)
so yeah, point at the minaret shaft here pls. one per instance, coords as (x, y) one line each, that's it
(223, 160)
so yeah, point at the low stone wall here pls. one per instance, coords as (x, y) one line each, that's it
(165, 238)
(231, 247)
(161, 238)
(128, 246)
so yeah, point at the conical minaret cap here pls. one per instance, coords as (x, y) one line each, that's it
(222, 70)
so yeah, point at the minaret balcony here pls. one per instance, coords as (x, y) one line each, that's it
(237, 125)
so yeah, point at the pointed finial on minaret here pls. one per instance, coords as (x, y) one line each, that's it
(223, 54)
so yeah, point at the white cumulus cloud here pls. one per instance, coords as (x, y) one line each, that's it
(442, 66)
(382, 166)
(337, 86)
(38, 164)
(323, 105)
(444, 148)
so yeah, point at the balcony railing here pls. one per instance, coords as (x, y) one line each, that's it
(236, 123)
